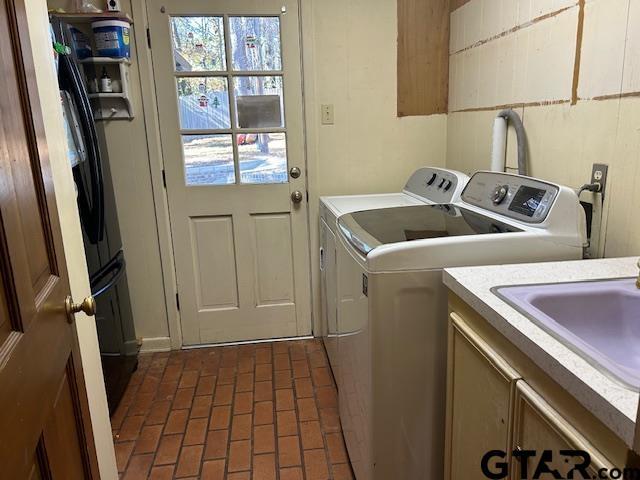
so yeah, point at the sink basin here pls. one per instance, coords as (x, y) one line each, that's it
(599, 320)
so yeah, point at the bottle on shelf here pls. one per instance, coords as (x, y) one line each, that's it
(105, 82)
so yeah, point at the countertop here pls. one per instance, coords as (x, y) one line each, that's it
(612, 403)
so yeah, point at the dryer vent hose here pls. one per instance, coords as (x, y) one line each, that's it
(498, 154)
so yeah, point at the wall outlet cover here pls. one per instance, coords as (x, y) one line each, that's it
(113, 6)
(599, 175)
(327, 114)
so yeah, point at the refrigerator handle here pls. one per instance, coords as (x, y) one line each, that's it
(91, 204)
(116, 268)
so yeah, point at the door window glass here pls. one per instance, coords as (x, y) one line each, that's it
(259, 102)
(263, 157)
(255, 43)
(208, 159)
(203, 103)
(198, 43)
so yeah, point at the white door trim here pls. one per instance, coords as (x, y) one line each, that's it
(311, 112)
(156, 167)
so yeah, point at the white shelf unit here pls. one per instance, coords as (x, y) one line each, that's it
(113, 105)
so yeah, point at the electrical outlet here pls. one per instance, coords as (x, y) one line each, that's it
(327, 114)
(599, 175)
(113, 6)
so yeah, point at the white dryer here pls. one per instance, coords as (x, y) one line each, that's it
(426, 185)
(392, 307)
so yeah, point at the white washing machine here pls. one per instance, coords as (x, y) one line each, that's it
(426, 185)
(392, 307)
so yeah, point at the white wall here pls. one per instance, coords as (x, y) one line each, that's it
(503, 53)
(71, 233)
(349, 54)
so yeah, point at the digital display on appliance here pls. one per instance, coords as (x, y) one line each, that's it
(527, 200)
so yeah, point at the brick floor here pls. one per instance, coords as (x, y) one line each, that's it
(263, 411)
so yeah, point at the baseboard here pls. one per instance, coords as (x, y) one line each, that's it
(156, 344)
(131, 347)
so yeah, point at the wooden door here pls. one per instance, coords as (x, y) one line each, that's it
(42, 401)
(229, 88)
(539, 427)
(480, 392)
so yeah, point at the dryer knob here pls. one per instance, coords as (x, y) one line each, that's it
(432, 179)
(499, 194)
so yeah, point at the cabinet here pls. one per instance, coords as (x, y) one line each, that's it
(481, 388)
(538, 428)
(113, 105)
(497, 399)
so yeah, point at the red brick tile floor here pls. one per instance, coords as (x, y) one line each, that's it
(262, 411)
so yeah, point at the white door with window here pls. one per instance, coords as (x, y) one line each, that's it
(229, 92)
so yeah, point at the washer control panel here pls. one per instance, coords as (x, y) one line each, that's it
(499, 194)
(436, 185)
(522, 198)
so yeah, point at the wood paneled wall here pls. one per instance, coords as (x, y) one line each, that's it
(423, 56)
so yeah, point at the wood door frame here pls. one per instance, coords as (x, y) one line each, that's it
(143, 45)
(21, 51)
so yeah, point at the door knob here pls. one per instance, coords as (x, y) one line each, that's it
(296, 197)
(88, 306)
(294, 172)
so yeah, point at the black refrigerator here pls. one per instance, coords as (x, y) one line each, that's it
(101, 233)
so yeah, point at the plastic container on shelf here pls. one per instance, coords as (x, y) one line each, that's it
(112, 38)
(81, 43)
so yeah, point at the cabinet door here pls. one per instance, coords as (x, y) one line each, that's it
(538, 427)
(480, 392)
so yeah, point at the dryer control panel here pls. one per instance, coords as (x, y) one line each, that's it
(524, 199)
(437, 185)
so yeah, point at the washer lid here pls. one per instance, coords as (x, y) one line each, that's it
(369, 229)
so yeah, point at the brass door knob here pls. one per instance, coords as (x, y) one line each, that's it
(88, 306)
(296, 197)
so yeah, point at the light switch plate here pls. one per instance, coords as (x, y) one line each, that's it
(327, 114)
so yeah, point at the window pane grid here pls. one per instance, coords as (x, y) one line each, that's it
(223, 73)
(230, 130)
(256, 152)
